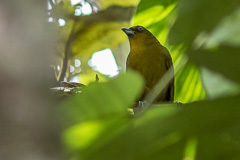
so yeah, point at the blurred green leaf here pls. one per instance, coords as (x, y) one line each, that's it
(146, 4)
(79, 136)
(224, 60)
(98, 37)
(165, 130)
(197, 16)
(125, 3)
(190, 149)
(216, 85)
(62, 9)
(97, 31)
(102, 100)
(84, 35)
(227, 32)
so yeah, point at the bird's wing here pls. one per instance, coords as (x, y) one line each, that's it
(170, 95)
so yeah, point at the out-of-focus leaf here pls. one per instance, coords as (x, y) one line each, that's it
(216, 85)
(98, 37)
(79, 136)
(99, 113)
(87, 137)
(197, 16)
(127, 130)
(125, 3)
(102, 100)
(97, 31)
(166, 130)
(146, 4)
(224, 60)
(62, 9)
(84, 35)
(227, 32)
(105, 4)
(90, 77)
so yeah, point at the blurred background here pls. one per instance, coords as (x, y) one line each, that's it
(45, 42)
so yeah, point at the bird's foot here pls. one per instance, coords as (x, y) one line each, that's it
(139, 106)
(142, 104)
(178, 103)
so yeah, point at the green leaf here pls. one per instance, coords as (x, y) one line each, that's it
(125, 3)
(90, 39)
(224, 60)
(216, 85)
(146, 4)
(102, 100)
(188, 85)
(97, 31)
(101, 110)
(191, 130)
(227, 32)
(197, 16)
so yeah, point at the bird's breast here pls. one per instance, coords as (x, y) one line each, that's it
(151, 65)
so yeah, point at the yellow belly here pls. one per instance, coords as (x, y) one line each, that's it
(152, 67)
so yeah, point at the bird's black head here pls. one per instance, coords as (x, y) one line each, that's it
(130, 32)
(138, 35)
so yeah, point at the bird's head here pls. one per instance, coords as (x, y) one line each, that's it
(138, 35)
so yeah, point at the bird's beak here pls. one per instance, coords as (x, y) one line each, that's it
(128, 32)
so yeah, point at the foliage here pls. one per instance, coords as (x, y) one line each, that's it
(84, 34)
(99, 126)
(97, 121)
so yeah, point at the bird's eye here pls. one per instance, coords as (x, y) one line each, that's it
(140, 28)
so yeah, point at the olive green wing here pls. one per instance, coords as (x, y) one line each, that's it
(170, 94)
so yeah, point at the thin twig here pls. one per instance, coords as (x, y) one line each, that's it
(66, 54)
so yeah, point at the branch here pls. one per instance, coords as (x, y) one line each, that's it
(66, 55)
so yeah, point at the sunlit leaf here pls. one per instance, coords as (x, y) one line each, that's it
(90, 77)
(79, 136)
(108, 3)
(98, 37)
(188, 85)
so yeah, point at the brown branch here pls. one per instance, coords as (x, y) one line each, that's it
(66, 55)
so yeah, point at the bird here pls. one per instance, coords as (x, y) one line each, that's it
(151, 59)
